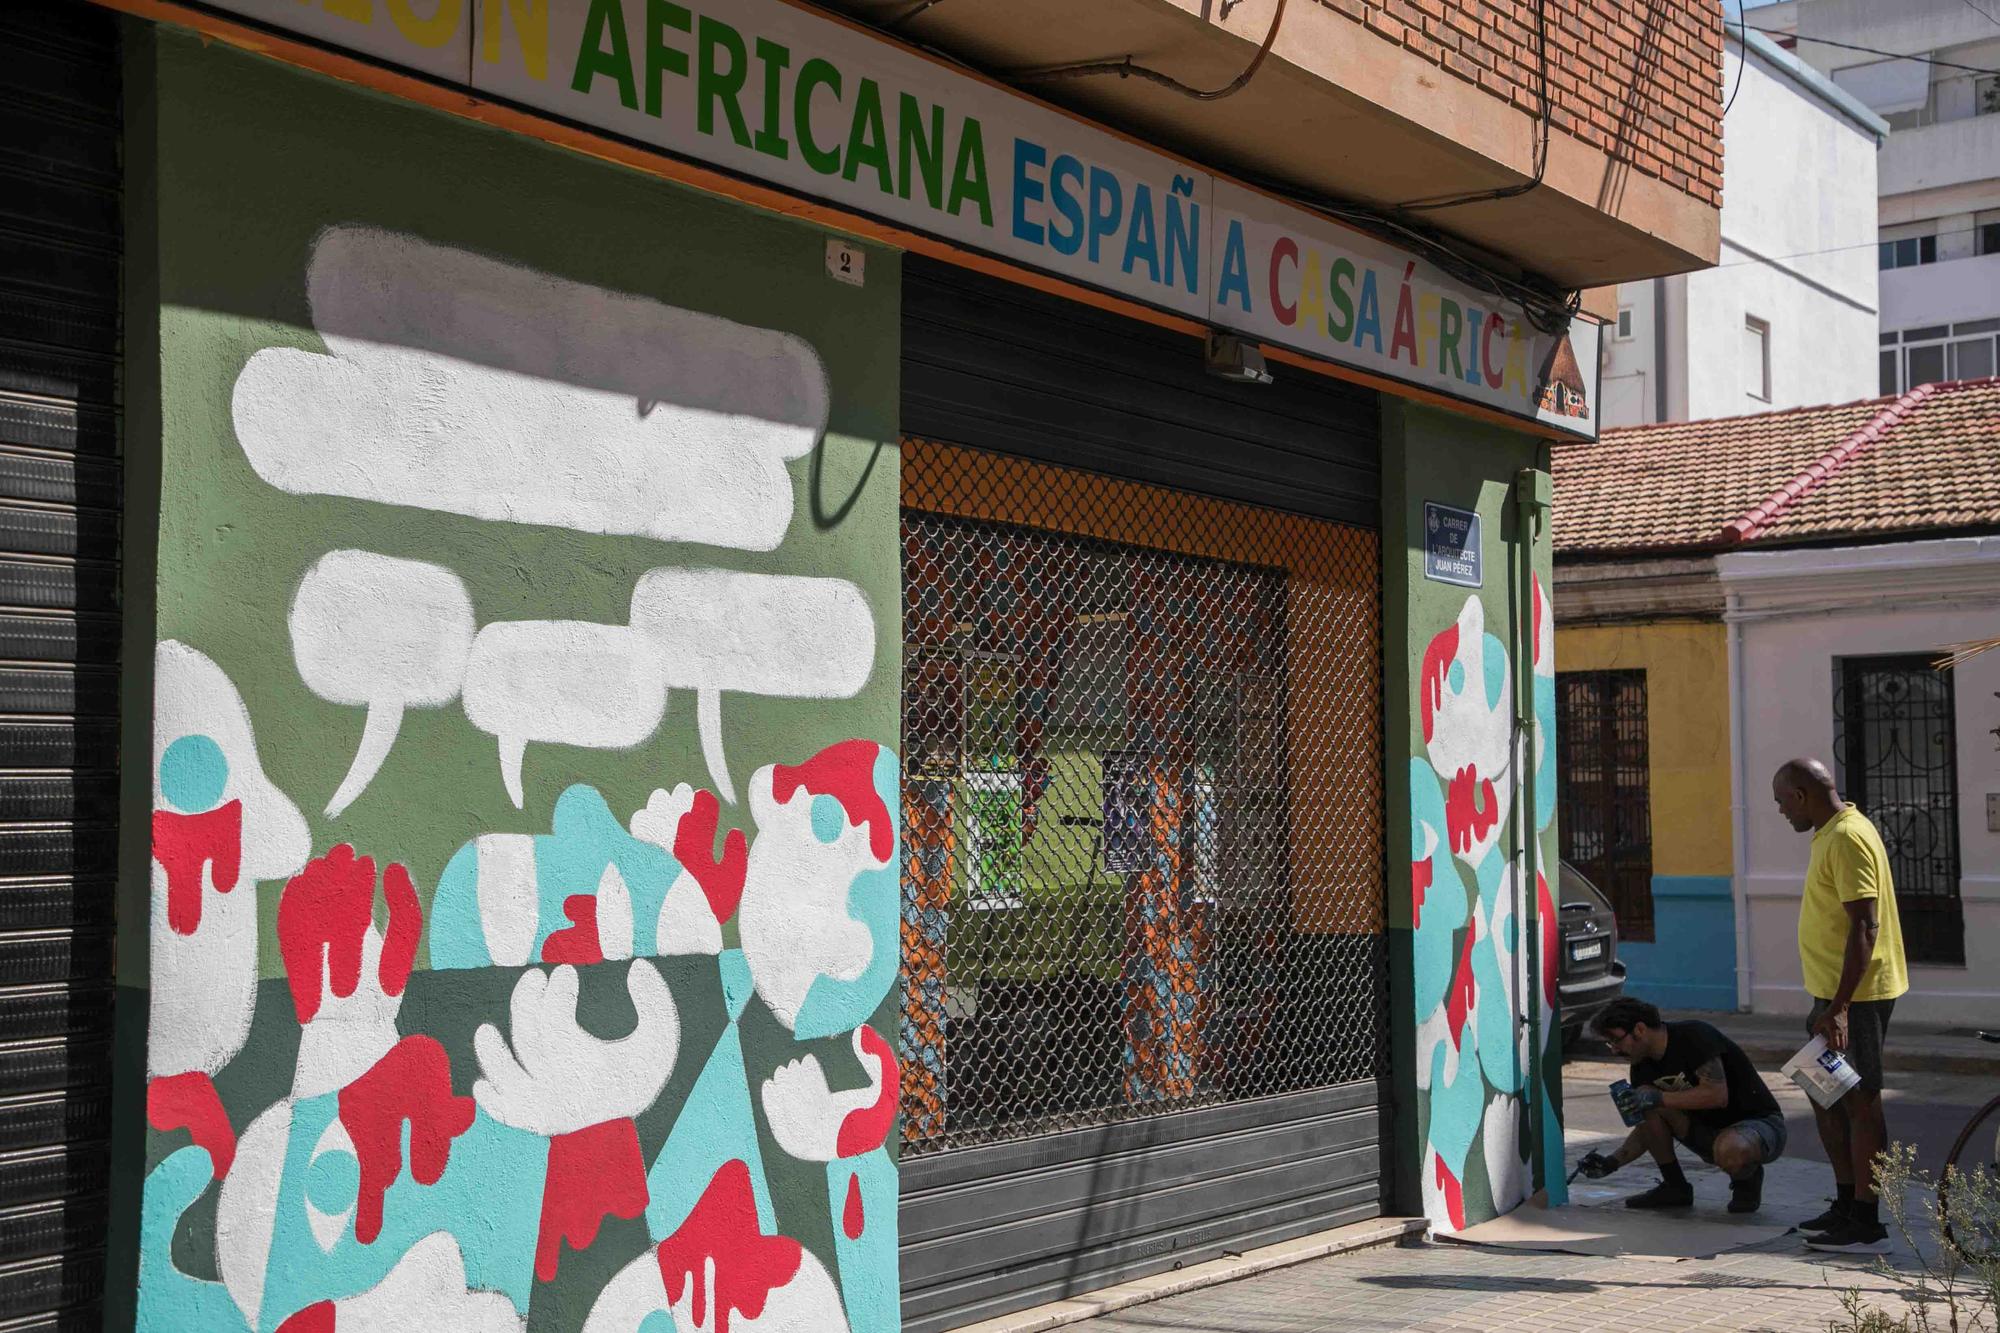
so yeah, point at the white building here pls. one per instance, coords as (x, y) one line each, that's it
(1832, 654)
(1932, 69)
(1788, 317)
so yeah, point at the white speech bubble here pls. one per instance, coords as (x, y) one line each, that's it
(371, 631)
(774, 634)
(572, 682)
(455, 382)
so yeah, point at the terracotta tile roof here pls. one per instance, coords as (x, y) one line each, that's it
(1927, 460)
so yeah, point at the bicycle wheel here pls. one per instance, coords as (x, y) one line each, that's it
(1976, 1152)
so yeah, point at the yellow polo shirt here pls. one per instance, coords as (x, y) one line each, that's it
(1849, 863)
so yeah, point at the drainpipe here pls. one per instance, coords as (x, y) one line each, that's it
(1533, 495)
(1739, 809)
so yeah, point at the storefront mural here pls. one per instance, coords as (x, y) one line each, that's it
(596, 1036)
(1471, 1063)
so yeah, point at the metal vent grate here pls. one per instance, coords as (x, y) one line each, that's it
(1142, 800)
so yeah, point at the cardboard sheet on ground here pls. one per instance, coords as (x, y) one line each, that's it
(1598, 1222)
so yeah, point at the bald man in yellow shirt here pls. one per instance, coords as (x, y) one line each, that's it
(1851, 951)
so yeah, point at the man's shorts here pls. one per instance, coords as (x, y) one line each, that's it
(1767, 1131)
(1867, 1029)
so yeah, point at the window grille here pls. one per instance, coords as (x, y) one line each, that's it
(1895, 751)
(1142, 800)
(1604, 789)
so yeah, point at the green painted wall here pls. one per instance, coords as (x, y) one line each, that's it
(1475, 1112)
(276, 210)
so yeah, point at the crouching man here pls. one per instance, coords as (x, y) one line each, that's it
(1696, 1087)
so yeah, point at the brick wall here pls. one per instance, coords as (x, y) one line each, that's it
(1640, 79)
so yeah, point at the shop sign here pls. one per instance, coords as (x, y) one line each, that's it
(1451, 545)
(782, 94)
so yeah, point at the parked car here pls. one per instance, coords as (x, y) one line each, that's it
(1590, 975)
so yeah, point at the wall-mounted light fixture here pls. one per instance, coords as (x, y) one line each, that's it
(1229, 357)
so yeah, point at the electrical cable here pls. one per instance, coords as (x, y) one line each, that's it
(1126, 69)
(1872, 50)
(890, 25)
(1742, 59)
(1541, 134)
(1983, 13)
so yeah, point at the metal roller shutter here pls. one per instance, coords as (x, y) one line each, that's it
(1144, 1010)
(59, 633)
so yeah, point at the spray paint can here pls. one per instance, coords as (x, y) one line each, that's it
(1621, 1090)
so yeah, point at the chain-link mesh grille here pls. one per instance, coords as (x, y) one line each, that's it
(1142, 804)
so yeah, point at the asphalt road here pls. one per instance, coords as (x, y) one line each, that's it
(1922, 1108)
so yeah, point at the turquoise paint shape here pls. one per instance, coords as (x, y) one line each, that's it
(1456, 1108)
(828, 819)
(1557, 1179)
(737, 982)
(1495, 665)
(457, 938)
(875, 900)
(1454, 678)
(570, 859)
(659, 1321)
(715, 1126)
(169, 1300)
(1444, 906)
(489, 1198)
(868, 1270)
(193, 774)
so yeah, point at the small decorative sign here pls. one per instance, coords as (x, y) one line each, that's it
(1451, 545)
(844, 262)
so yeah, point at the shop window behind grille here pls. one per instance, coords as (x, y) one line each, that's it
(1604, 789)
(1896, 757)
(1142, 800)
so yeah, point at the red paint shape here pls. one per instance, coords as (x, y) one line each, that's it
(183, 844)
(189, 1101)
(576, 942)
(721, 879)
(850, 1216)
(846, 772)
(723, 1230)
(406, 925)
(593, 1174)
(1437, 661)
(1546, 910)
(1463, 996)
(324, 915)
(1420, 883)
(1471, 808)
(316, 1318)
(865, 1128)
(1454, 1193)
(411, 1083)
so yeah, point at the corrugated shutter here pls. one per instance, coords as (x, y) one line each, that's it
(59, 633)
(1000, 366)
(1142, 758)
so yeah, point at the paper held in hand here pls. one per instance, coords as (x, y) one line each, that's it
(1825, 1075)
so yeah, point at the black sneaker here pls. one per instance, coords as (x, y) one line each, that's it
(1834, 1216)
(1666, 1194)
(1747, 1195)
(1851, 1237)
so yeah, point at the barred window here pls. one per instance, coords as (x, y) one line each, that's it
(1604, 789)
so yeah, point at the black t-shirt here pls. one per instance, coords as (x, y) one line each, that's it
(1691, 1044)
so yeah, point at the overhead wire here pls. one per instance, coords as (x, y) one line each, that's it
(1872, 50)
(1742, 59)
(1127, 69)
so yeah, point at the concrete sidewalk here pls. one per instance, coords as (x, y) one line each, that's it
(1444, 1287)
(1770, 1040)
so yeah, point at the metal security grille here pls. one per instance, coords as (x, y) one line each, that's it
(1895, 750)
(1142, 800)
(1604, 789)
(60, 489)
